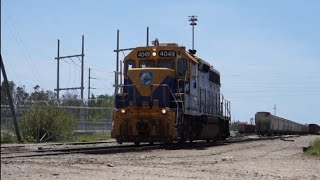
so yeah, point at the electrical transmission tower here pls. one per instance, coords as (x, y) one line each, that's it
(89, 85)
(58, 58)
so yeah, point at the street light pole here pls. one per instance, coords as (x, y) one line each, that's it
(193, 23)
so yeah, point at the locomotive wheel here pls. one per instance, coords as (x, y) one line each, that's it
(182, 141)
(215, 139)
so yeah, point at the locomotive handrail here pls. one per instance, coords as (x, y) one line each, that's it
(175, 100)
(224, 104)
(182, 90)
(225, 107)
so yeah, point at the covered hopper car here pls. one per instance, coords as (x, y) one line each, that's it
(268, 124)
(246, 128)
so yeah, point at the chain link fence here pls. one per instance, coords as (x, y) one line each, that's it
(91, 120)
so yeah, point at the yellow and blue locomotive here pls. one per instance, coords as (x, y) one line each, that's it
(169, 94)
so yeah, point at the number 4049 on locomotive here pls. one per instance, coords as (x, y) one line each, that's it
(169, 94)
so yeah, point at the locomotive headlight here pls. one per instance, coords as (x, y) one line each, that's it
(123, 111)
(163, 111)
(154, 53)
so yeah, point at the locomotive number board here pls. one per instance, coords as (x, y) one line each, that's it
(167, 53)
(143, 54)
(161, 53)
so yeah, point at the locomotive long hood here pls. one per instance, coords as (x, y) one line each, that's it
(147, 80)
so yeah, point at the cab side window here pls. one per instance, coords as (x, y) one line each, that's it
(182, 67)
(214, 77)
(129, 65)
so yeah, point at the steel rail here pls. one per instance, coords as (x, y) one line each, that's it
(133, 148)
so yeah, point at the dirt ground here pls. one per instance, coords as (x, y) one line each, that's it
(269, 159)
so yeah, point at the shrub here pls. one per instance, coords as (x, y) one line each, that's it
(7, 133)
(57, 122)
(314, 149)
(7, 137)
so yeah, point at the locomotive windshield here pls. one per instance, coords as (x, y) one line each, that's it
(147, 63)
(165, 64)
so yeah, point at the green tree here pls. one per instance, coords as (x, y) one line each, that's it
(42, 96)
(4, 99)
(19, 95)
(102, 101)
(69, 99)
(92, 101)
(105, 101)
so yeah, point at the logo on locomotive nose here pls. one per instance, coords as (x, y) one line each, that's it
(146, 77)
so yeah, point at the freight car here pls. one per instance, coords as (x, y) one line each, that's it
(169, 94)
(268, 124)
(314, 129)
(246, 128)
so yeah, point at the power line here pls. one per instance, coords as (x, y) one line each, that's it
(21, 44)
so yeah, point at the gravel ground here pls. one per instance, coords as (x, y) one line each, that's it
(269, 159)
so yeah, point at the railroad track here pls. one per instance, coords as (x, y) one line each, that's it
(69, 143)
(50, 146)
(84, 150)
(128, 148)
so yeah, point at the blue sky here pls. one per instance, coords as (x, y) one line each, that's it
(268, 52)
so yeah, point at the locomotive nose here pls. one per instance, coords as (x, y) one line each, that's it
(142, 127)
(147, 80)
